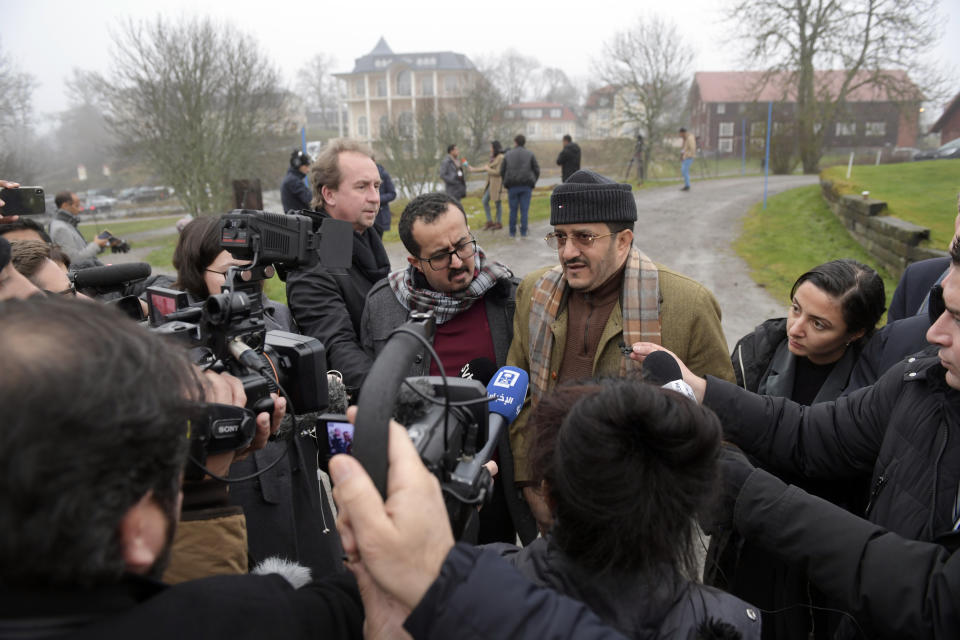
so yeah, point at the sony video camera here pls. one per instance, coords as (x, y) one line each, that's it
(226, 332)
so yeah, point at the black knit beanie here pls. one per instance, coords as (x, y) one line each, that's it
(589, 197)
(4, 253)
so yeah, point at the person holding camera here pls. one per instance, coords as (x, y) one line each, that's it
(285, 510)
(64, 232)
(85, 541)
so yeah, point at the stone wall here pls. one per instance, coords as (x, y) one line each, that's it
(895, 243)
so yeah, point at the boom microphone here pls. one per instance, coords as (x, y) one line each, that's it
(661, 368)
(111, 277)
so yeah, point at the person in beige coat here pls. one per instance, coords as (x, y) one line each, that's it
(494, 187)
(581, 318)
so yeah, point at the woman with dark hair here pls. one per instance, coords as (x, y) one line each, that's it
(202, 264)
(625, 468)
(494, 187)
(807, 357)
(287, 511)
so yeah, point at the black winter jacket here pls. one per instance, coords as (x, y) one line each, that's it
(220, 607)
(479, 596)
(294, 195)
(639, 607)
(762, 363)
(905, 429)
(897, 588)
(569, 160)
(519, 168)
(327, 303)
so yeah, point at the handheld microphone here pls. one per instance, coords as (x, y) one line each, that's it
(111, 277)
(509, 388)
(660, 368)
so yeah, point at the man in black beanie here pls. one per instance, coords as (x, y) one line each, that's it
(579, 319)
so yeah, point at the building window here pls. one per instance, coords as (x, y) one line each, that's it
(451, 84)
(360, 88)
(426, 86)
(380, 63)
(742, 108)
(508, 114)
(362, 126)
(758, 129)
(846, 129)
(557, 129)
(725, 145)
(721, 108)
(876, 129)
(403, 83)
(384, 125)
(532, 129)
(556, 113)
(604, 102)
(531, 113)
(405, 124)
(427, 62)
(381, 87)
(726, 129)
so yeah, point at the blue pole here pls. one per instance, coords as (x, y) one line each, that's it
(766, 162)
(743, 147)
(303, 147)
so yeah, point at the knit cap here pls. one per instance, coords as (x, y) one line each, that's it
(587, 196)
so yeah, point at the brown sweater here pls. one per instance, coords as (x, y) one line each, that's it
(588, 313)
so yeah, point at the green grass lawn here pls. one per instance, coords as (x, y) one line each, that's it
(924, 193)
(797, 231)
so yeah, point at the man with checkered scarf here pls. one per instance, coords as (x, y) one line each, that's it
(472, 299)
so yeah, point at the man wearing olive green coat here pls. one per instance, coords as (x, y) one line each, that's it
(575, 321)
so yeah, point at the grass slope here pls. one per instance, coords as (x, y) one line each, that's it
(795, 233)
(924, 193)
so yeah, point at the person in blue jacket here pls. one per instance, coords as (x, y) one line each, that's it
(294, 193)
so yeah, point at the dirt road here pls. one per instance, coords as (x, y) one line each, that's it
(690, 232)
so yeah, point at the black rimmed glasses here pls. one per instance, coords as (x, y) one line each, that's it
(582, 239)
(441, 261)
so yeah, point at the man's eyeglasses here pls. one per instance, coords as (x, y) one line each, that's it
(440, 261)
(582, 239)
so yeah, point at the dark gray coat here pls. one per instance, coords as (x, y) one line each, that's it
(519, 168)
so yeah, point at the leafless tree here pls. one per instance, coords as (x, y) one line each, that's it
(864, 38)
(193, 98)
(649, 65)
(16, 121)
(512, 73)
(553, 85)
(480, 116)
(412, 149)
(319, 88)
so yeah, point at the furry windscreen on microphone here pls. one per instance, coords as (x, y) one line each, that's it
(336, 394)
(410, 406)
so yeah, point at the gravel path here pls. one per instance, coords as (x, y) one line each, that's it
(690, 232)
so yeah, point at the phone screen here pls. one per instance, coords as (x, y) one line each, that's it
(339, 436)
(22, 200)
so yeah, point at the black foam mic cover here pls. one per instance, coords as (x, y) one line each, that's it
(410, 406)
(660, 368)
(113, 275)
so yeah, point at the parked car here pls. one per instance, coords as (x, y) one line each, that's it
(150, 194)
(948, 150)
(99, 203)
